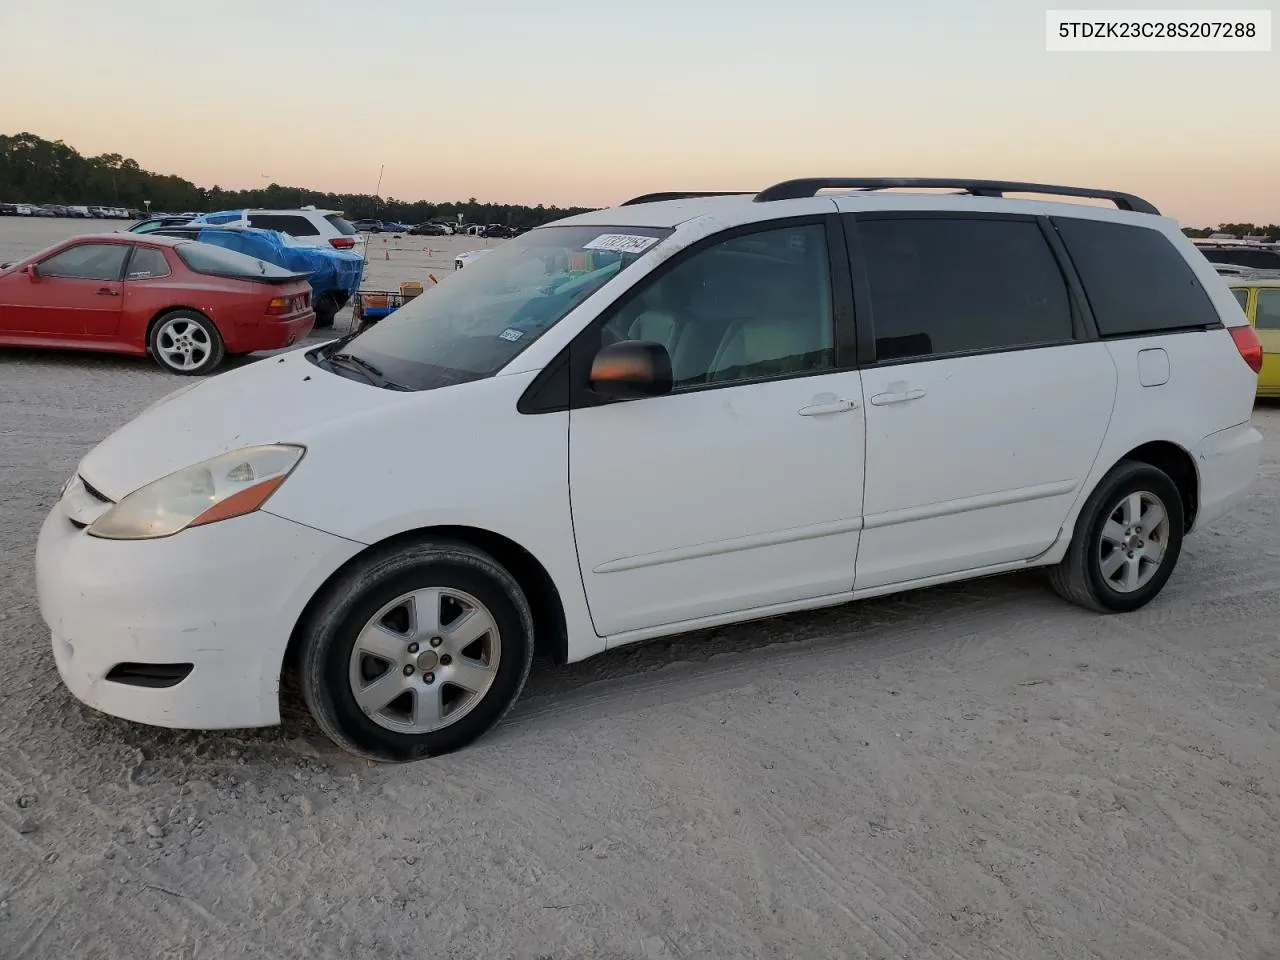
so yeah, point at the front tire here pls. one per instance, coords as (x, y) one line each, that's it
(186, 343)
(416, 651)
(1127, 541)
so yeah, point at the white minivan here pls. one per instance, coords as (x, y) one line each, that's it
(686, 411)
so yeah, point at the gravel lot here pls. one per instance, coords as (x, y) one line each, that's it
(967, 772)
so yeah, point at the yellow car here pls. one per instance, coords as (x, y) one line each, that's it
(1259, 296)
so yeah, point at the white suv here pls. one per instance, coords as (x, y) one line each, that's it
(683, 412)
(308, 226)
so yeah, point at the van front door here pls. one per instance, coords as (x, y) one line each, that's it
(742, 489)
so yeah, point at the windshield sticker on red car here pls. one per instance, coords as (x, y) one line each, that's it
(621, 242)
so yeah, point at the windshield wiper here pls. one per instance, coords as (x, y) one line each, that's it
(371, 373)
(359, 362)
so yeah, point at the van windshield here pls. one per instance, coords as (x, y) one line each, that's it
(477, 320)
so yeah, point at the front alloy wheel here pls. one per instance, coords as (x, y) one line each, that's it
(425, 660)
(415, 650)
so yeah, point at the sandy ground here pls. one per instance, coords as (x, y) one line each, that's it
(974, 771)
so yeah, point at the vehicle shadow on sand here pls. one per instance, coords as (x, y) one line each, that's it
(858, 636)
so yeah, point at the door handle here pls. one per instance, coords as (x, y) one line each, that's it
(827, 406)
(882, 399)
(108, 292)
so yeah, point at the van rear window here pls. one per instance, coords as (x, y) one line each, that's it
(1136, 280)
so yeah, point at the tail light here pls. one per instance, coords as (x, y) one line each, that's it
(342, 243)
(1250, 347)
(281, 306)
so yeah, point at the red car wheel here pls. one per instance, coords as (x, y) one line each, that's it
(186, 343)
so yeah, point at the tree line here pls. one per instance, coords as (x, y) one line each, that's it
(35, 170)
(1240, 230)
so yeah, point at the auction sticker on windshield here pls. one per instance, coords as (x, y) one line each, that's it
(621, 242)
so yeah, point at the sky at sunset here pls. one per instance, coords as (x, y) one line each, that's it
(589, 103)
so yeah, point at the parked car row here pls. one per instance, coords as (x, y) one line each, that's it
(184, 303)
(495, 231)
(334, 275)
(62, 210)
(380, 226)
(1260, 256)
(436, 228)
(320, 241)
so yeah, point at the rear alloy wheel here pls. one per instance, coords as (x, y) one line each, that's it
(1127, 541)
(186, 343)
(417, 651)
(1133, 541)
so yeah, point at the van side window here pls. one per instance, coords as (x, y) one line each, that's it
(959, 285)
(1136, 280)
(1242, 297)
(748, 308)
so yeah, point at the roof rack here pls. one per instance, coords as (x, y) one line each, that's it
(677, 195)
(808, 187)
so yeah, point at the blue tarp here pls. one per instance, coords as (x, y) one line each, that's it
(326, 269)
(227, 216)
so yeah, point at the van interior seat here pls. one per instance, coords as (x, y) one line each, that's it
(762, 347)
(656, 325)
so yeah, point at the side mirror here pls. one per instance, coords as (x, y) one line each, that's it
(32, 272)
(631, 368)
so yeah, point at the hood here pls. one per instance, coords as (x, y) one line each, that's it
(276, 400)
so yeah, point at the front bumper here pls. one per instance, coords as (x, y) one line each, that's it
(224, 598)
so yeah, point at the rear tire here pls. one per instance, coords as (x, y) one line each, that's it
(186, 343)
(1127, 541)
(388, 668)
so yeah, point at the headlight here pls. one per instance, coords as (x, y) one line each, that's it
(229, 485)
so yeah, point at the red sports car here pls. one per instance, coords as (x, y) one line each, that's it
(185, 303)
